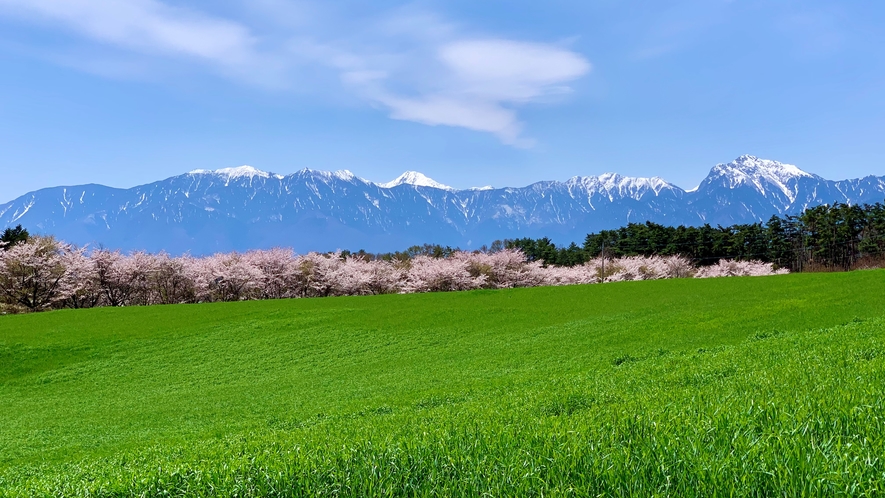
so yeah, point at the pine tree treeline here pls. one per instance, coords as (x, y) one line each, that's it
(825, 237)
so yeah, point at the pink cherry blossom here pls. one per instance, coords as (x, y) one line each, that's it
(44, 273)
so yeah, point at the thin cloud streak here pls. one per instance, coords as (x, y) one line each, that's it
(473, 115)
(484, 78)
(147, 26)
(412, 63)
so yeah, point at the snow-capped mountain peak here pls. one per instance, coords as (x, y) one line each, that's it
(761, 174)
(415, 178)
(344, 174)
(244, 171)
(313, 210)
(767, 167)
(613, 183)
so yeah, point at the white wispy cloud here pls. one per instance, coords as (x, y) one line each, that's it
(148, 26)
(416, 65)
(479, 83)
(478, 115)
(511, 70)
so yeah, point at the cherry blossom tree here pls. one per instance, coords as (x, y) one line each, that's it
(427, 274)
(733, 268)
(647, 268)
(121, 278)
(82, 289)
(501, 269)
(564, 275)
(321, 275)
(32, 273)
(278, 272)
(357, 275)
(171, 280)
(226, 277)
(42, 273)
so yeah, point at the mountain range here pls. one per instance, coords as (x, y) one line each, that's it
(244, 208)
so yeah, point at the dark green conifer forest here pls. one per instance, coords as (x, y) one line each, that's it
(825, 237)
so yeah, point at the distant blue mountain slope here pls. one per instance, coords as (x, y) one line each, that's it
(243, 208)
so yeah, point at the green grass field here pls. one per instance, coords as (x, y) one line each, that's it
(763, 386)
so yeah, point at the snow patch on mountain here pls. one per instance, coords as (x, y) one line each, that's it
(415, 178)
(344, 174)
(244, 171)
(322, 210)
(17, 215)
(614, 185)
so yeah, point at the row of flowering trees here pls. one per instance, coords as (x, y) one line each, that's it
(43, 273)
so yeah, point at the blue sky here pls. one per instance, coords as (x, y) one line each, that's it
(470, 93)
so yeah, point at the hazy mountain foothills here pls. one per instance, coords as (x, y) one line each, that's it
(244, 208)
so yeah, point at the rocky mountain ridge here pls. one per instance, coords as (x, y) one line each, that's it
(242, 208)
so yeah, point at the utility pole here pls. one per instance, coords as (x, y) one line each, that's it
(603, 259)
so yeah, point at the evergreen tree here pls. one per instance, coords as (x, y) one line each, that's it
(13, 236)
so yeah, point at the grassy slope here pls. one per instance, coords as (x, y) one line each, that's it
(201, 387)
